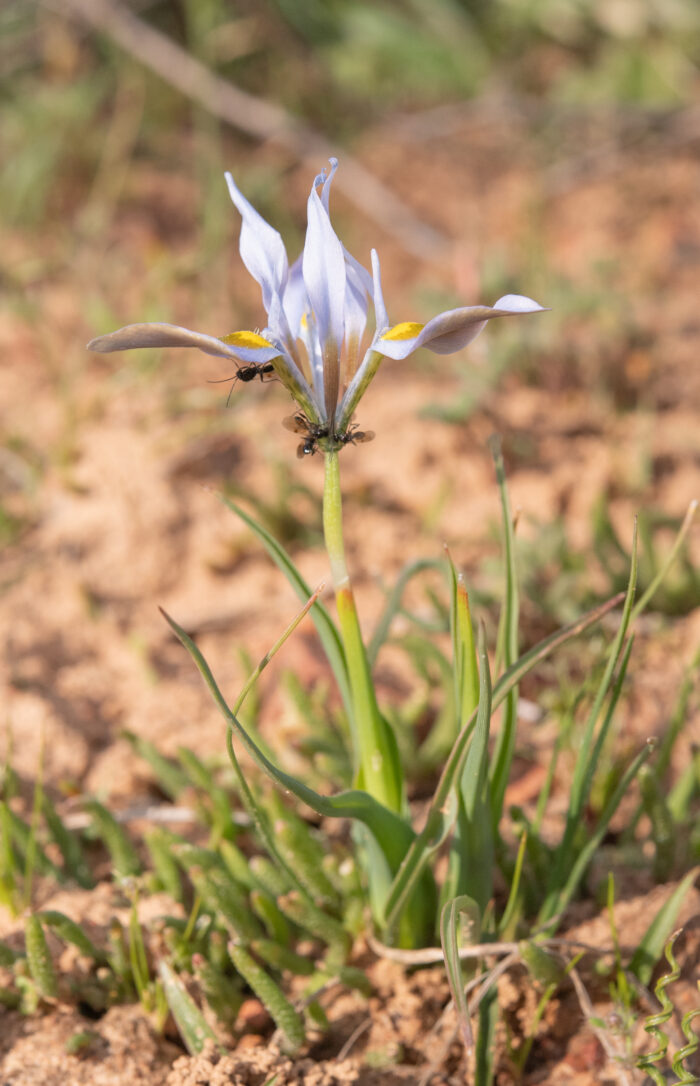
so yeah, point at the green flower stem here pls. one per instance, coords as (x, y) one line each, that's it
(376, 756)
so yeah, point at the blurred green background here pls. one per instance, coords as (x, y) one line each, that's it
(338, 65)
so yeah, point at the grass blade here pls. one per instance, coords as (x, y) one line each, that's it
(325, 627)
(449, 918)
(439, 812)
(670, 559)
(287, 1020)
(390, 830)
(591, 745)
(194, 1028)
(471, 857)
(389, 835)
(464, 653)
(70, 932)
(555, 905)
(654, 939)
(170, 778)
(39, 960)
(125, 860)
(74, 858)
(505, 741)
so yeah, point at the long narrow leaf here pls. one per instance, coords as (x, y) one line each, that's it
(591, 745)
(193, 1026)
(75, 861)
(471, 857)
(652, 942)
(464, 653)
(670, 559)
(449, 919)
(441, 818)
(505, 742)
(489, 1011)
(391, 831)
(555, 905)
(438, 816)
(325, 627)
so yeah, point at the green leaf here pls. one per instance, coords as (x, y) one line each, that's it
(168, 774)
(203, 779)
(542, 966)
(125, 860)
(165, 866)
(505, 742)
(652, 942)
(227, 902)
(471, 856)
(285, 1017)
(389, 828)
(303, 852)
(194, 1028)
(138, 959)
(27, 844)
(464, 653)
(449, 918)
(554, 906)
(591, 746)
(41, 966)
(325, 627)
(70, 932)
(489, 1011)
(222, 993)
(670, 559)
(74, 858)
(443, 806)
(391, 833)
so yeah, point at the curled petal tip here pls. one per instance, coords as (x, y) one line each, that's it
(518, 303)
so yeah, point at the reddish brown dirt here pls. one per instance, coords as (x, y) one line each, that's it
(119, 519)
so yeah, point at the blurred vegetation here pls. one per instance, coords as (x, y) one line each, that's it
(338, 64)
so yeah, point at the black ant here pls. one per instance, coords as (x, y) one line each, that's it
(353, 436)
(299, 424)
(246, 373)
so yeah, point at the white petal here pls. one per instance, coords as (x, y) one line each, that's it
(356, 304)
(323, 266)
(454, 329)
(261, 247)
(517, 303)
(295, 300)
(380, 313)
(326, 181)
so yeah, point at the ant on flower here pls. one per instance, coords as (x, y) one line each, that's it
(299, 424)
(354, 436)
(245, 373)
(313, 433)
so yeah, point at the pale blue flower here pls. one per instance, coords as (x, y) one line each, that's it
(317, 317)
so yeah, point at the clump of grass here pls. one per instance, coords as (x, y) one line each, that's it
(268, 895)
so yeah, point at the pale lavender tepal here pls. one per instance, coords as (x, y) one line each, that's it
(317, 318)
